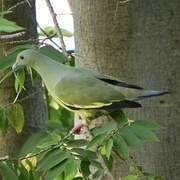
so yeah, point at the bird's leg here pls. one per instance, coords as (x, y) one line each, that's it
(78, 126)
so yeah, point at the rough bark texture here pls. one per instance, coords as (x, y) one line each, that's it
(139, 42)
(33, 106)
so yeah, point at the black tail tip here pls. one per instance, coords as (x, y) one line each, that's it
(164, 92)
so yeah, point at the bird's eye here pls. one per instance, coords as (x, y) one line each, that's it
(21, 57)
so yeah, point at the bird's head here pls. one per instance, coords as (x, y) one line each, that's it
(24, 58)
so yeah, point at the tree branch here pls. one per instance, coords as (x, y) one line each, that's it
(59, 32)
(11, 36)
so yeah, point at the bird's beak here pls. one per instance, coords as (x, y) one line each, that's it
(15, 66)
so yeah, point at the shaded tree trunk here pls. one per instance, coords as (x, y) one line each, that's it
(138, 42)
(32, 97)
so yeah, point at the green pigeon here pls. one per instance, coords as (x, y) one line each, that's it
(83, 91)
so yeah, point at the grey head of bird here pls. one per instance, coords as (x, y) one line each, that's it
(25, 58)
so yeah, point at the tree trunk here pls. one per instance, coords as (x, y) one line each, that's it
(138, 42)
(32, 97)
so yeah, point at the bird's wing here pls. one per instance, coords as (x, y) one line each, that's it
(80, 90)
(111, 80)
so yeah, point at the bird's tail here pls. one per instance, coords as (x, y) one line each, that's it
(148, 94)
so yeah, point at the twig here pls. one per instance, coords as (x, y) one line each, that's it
(11, 36)
(124, 1)
(28, 2)
(4, 158)
(59, 33)
(18, 4)
(19, 41)
(48, 36)
(64, 14)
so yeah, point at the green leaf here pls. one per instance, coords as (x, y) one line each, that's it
(108, 162)
(130, 177)
(47, 141)
(130, 138)
(147, 124)
(77, 143)
(144, 133)
(9, 26)
(6, 172)
(119, 117)
(57, 170)
(7, 61)
(52, 158)
(108, 148)
(66, 33)
(15, 116)
(52, 32)
(30, 145)
(84, 153)
(53, 53)
(103, 150)
(97, 174)
(104, 128)
(85, 168)
(121, 146)
(96, 164)
(19, 81)
(71, 170)
(96, 141)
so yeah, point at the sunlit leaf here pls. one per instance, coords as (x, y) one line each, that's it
(103, 150)
(29, 162)
(108, 147)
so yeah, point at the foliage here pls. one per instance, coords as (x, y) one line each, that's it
(52, 32)
(12, 116)
(9, 26)
(57, 155)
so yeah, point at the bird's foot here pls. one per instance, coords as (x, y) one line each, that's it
(77, 128)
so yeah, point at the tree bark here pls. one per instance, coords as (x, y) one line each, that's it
(138, 42)
(32, 97)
